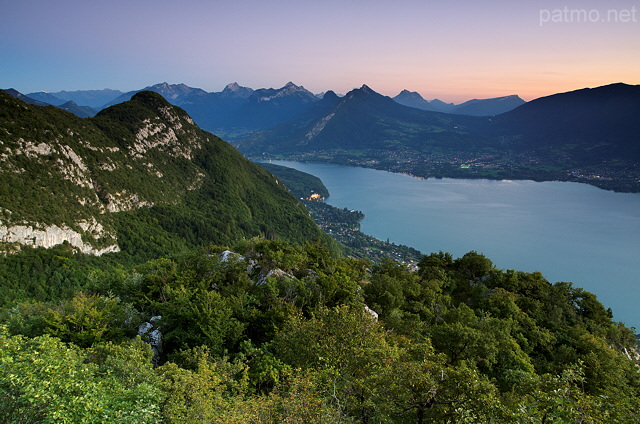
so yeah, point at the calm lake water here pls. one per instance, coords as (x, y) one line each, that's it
(568, 231)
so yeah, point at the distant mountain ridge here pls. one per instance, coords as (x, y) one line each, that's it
(573, 141)
(176, 94)
(414, 99)
(475, 107)
(80, 111)
(69, 106)
(236, 112)
(14, 93)
(46, 98)
(95, 99)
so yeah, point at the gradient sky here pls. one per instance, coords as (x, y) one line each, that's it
(452, 50)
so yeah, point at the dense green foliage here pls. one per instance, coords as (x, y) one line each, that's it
(279, 332)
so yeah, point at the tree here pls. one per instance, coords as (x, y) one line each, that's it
(348, 346)
(44, 380)
(419, 387)
(88, 319)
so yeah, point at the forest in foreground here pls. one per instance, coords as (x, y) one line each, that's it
(266, 331)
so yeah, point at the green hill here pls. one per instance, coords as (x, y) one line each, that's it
(139, 177)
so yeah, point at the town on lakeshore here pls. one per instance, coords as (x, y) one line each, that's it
(615, 175)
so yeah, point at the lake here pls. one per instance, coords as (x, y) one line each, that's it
(568, 231)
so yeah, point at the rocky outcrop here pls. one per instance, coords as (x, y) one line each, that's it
(54, 235)
(371, 312)
(123, 201)
(150, 333)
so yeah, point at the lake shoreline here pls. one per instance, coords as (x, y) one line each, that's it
(615, 184)
(568, 231)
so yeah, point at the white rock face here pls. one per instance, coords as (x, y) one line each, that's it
(65, 156)
(157, 135)
(371, 312)
(319, 126)
(124, 201)
(274, 273)
(51, 236)
(31, 150)
(150, 333)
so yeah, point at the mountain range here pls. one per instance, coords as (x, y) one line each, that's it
(361, 121)
(140, 177)
(171, 325)
(236, 112)
(96, 99)
(588, 135)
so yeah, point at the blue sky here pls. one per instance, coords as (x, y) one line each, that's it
(452, 50)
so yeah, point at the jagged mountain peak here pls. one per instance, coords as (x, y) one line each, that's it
(412, 94)
(410, 98)
(406, 92)
(236, 90)
(175, 91)
(163, 87)
(232, 86)
(364, 92)
(366, 88)
(166, 86)
(290, 87)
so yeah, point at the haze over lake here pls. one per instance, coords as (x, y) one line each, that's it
(568, 231)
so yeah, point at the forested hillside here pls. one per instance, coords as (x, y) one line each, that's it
(278, 332)
(140, 178)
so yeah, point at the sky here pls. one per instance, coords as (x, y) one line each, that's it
(451, 50)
